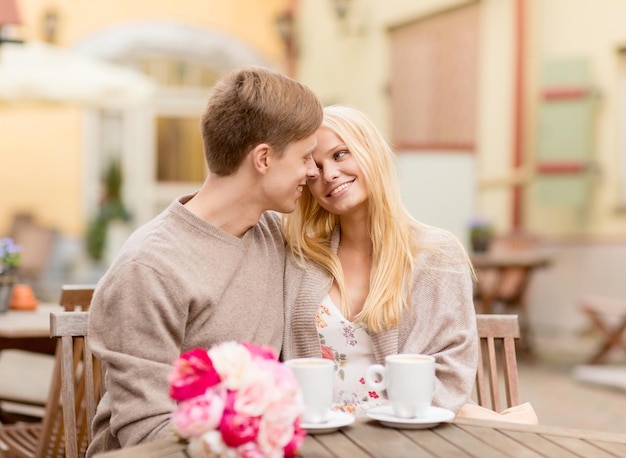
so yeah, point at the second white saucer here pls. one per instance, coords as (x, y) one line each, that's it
(434, 416)
(337, 420)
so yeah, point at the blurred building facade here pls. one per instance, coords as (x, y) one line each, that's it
(59, 152)
(509, 109)
(65, 161)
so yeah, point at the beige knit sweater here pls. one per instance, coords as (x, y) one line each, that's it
(178, 283)
(441, 322)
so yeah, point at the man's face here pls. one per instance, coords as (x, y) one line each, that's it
(287, 175)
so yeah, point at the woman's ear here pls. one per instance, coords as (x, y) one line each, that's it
(261, 157)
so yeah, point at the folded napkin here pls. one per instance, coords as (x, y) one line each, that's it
(523, 413)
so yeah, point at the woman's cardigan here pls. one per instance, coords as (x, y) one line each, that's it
(441, 320)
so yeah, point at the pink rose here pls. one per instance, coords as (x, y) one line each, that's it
(260, 351)
(276, 427)
(292, 449)
(192, 375)
(210, 444)
(250, 450)
(284, 378)
(232, 362)
(236, 400)
(237, 428)
(256, 392)
(198, 415)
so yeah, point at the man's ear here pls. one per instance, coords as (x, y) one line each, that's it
(261, 157)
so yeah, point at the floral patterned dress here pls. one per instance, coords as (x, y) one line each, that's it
(350, 347)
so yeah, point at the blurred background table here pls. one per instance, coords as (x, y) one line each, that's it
(28, 329)
(503, 280)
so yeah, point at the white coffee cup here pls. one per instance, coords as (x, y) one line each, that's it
(409, 380)
(316, 378)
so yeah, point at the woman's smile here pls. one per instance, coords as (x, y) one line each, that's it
(340, 188)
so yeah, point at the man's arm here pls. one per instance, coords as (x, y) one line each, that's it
(136, 328)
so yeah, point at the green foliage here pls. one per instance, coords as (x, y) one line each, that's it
(10, 254)
(96, 237)
(479, 227)
(112, 208)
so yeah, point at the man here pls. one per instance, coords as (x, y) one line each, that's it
(210, 267)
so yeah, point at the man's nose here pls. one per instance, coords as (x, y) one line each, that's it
(312, 170)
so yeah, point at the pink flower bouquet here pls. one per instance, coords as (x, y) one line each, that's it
(236, 400)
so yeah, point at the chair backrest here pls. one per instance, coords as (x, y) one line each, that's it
(497, 334)
(81, 380)
(76, 297)
(51, 442)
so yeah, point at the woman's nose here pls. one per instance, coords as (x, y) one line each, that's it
(330, 173)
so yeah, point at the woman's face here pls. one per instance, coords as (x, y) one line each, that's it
(340, 186)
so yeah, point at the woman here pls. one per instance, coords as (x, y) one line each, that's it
(366, 280)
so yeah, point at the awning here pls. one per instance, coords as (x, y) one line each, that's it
(36, 71)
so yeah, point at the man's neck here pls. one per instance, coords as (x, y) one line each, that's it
(227, 203)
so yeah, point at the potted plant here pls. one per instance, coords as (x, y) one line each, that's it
(10, 257)
(481, 232)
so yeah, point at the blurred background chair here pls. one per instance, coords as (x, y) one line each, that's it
(607, 316)
(64, 430)
(37, 244)
(27, 375)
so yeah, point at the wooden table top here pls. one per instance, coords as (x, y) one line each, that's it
(28, 323)
(461, 438)
(511, 258)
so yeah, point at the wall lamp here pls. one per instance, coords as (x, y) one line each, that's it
(341, 8)
(286, 26)
(9, 18)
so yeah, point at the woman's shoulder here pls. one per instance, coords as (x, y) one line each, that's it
(425, 235)
(438, 247)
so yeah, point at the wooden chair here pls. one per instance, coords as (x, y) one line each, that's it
(46, 438)
(81, 379)
(608, 317)
(497, 334)
(76, 297)
(18, 402)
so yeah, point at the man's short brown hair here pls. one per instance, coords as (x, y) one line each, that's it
(255, 105)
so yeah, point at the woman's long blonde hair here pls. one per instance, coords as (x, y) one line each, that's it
(309, 229)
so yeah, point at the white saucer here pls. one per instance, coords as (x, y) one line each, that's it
(434, 416)
(337, 420)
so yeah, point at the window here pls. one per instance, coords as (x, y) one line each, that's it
(180, 156)
(434, 81)
(176, 73)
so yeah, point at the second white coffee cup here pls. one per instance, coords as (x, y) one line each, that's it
(316, 380)
(409, 380)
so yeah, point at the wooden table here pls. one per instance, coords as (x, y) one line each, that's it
(503, 278)
(28, 329)
(460, 438)
(499, 263)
